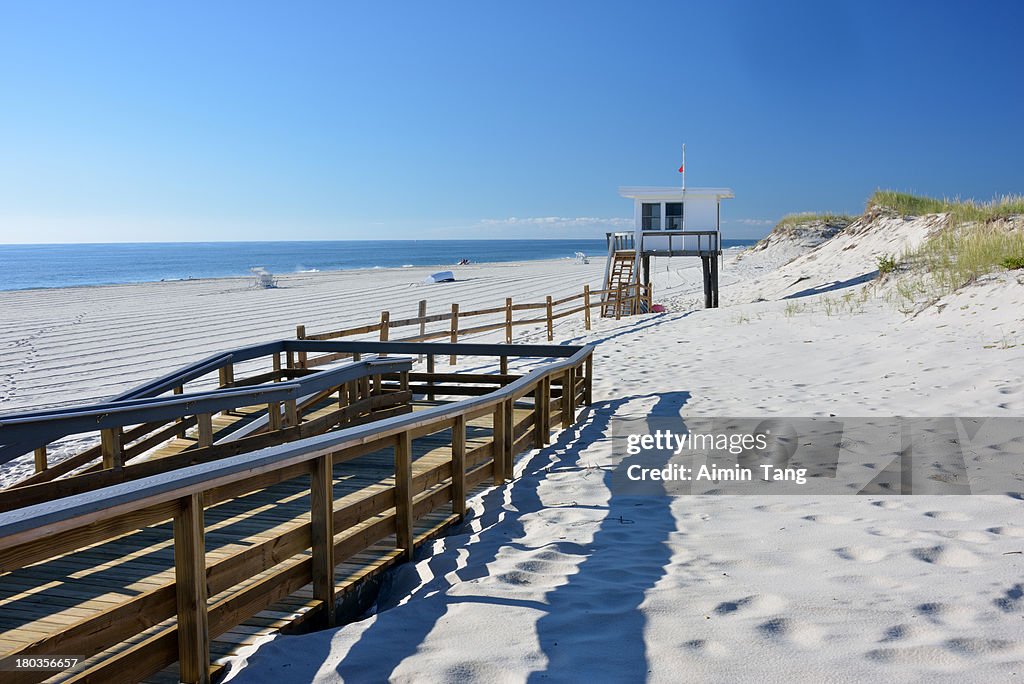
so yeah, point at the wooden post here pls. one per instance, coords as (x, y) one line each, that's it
(321, 496)
(226, 374)
(274, 415)
(421, 313)
(586, 307)
(508, 320)
(181, 430)
(40, 456)
(403, 381)
(705, 265)
(455, 330)
(714, 282)
(510, 416)
(503, 365)
(112, 448)
(290, 361)
(551, 321)
(430, 383)
(545, 409)
(205, 428)
(403, 494)
(276, 366)
(291, 413)
(588, 381)
(567, 391)
(618, 303)
(190, 591)
(498, 448)
(300, 334)
(385, 318)
(459, 465)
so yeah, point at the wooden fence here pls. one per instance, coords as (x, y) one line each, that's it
(179, 618)
(551, 310)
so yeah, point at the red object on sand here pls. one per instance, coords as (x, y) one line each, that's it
(657, 308)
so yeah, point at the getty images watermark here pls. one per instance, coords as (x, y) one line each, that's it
(657, 456)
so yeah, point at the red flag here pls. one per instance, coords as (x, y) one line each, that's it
(681, 168)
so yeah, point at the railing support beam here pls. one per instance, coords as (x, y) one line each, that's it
(190, 590)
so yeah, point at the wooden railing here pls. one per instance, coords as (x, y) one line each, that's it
(138, 420)
(205, 600)
(458, 325)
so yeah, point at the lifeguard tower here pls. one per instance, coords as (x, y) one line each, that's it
(668, 222)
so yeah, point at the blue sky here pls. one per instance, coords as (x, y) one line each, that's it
(129, 121)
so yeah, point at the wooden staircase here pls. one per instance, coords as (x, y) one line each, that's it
(621, 299)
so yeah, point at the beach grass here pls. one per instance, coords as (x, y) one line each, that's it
(907, 204)
(813, 217)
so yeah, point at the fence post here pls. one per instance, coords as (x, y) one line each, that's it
(459, 465)
(588, 381)
(205, 427)
(421, 313)
(180, 389)
(510, 435)
(321, 494)
(498, 448)
(190, 589)
(586, 307)
(504, 365)
(403, 494)
(385, 319)
(567, 392)
(430, 382)
(508, 320)
(274, 415)
(618, 303)
(551, 332)
(300, 334)
(40, 456)
(291, 413)
(276, 366)
(545, 409)
(226, 374)
(455, 330)
(112, 448)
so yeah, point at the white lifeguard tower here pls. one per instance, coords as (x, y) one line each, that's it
(668, 222)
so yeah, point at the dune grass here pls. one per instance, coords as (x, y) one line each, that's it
(812, 217)
(906, 204)
(973, 244)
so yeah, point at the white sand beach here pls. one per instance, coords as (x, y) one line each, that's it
(558, 579)
(554, 577)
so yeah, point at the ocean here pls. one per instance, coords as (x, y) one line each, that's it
(74, 265)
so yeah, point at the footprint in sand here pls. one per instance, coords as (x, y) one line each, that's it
(750, 606)
(788, 630)
(970, 536)
(952, 516)
(861, 554)
(946, 556)
(1012, 601)
(830, 519)
(1008, 531)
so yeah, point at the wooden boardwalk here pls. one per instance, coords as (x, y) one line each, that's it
(119, 588)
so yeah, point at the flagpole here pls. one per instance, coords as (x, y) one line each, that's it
(683, 167)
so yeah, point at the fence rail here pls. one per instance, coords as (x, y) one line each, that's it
(630, 296)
